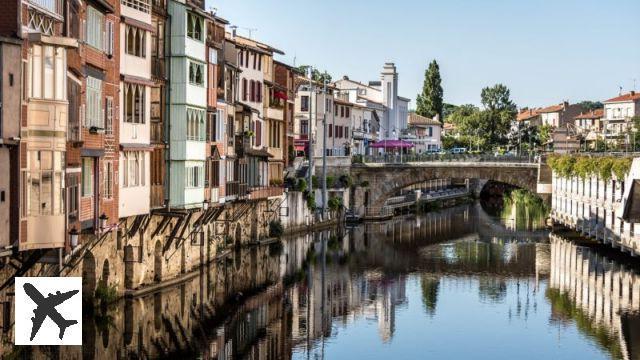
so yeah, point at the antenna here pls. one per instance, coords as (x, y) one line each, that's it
(634, 84)
(250, 30)
(620, 92)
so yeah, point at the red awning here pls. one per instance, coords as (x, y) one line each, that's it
(299, 147)
(281, 95)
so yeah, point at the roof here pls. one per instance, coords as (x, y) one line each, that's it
(594, 114)
(448, 126)
(630, 96)
(342, 102)
(241, 40)
(528, 114)
(415, 119)
(552, 108)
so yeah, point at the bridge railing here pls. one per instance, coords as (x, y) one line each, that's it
(407, 158)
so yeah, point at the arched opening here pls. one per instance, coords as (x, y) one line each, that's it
(104, 279)
(157, 262)
(238, 237)
(88, 276)
(128, 266)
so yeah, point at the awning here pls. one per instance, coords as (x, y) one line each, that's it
(281, 95)
(135, 147)
(137, 23)
(392, 144)
(299, 147)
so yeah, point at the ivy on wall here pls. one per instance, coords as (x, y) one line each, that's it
(604, 167)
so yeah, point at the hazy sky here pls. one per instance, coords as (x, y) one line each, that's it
(543, 50)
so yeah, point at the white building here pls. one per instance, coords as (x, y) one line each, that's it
(618, 112)
(424, 133)
(135, 116)
(390, 109)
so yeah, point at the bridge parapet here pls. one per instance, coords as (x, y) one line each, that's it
(443, 158)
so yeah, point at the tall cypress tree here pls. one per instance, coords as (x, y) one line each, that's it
(429, 102)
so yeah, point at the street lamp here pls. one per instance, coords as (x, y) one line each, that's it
(73, 238)
(205, 205)
(103, 221)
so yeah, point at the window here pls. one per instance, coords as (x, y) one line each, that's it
(346, 132)
(304, 127)
(194, 26)
(140, 5)
(108, 180)
(330, 131)
(346, 111)
(73, 196)
(430, 131)
(252, 90)
(193, 176)
(135, 41)
(48, 73)
(341, 111)
(44, 183)
(258, 130)
(196, 73)
(259, 62)
(134, 103)
(95, 28)
(241, 57)
(133, 169)
(94, 116)
(195, 125)
(274, 133)
(335, 110)
(108, 126)
(87, 176)
(304, 103)
(215, 173)
(245, 90)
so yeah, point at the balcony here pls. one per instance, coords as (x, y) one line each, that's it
(159, 7)
(236, 189)
(54, 7)
(264, 192)
(140, 5)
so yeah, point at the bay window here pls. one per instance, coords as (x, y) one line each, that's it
(194, 176)
(195, 24)
(48, 74)
(133, 169)
(195, 125)
(135, 41)
(95, 28)
(196, 73)
(44, 183)
(94, 116)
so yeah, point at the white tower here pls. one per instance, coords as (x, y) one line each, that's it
(390, 100)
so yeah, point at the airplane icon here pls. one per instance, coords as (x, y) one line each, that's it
(47, 307)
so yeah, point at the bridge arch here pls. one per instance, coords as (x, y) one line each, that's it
(385, 180)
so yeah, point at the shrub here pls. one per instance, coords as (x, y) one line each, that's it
(311, 201)
(276, 182)
(315, 182)
(106, 294)
(330, 181)
(334, 203)
(275, 228)
(346, 180)
(585, 166)
(301, 185)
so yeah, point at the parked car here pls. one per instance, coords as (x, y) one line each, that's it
(459, 150)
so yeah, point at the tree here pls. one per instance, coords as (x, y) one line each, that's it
(448, 109)
(589, 105)
(499, 111)
(316, 75)
(429, 102)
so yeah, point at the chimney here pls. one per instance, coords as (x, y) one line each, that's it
(565, 104)
(632, 92)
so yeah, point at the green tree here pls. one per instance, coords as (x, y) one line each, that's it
(316, 75)
(429, 102)
(447, 110)
(589, 105)
(499, 111)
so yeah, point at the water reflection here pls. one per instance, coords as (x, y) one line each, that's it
(411, 287)
(523, 210)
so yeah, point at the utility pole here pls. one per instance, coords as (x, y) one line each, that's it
(324, 152)
(311, 127)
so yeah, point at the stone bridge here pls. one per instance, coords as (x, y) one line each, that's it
(387, 179)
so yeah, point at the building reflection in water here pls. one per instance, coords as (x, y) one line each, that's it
(600, 295)
(272, 302)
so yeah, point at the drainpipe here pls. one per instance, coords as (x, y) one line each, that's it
(167, 118)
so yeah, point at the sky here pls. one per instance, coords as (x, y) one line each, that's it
(545, 51)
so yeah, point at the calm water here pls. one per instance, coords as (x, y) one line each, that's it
(453, 284)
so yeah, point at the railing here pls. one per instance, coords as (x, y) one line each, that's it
(264, 192)
(378, 212)
(406, 158)
(235, 188)
(52, 6)
(140, 5)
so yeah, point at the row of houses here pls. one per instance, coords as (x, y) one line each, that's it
(573, 124)
(116, 109)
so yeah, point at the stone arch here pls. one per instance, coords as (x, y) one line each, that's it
(88, 276)
(238, 237)
(157, 262)
(385, 181)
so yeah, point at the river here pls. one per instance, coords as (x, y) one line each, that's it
(456, 283)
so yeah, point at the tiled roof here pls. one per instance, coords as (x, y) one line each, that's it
(630, 96)
(448, 126)
(594, 114)
(415, 119)
(527, 114)
(552, 108)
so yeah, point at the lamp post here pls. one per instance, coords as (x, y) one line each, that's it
(324, 151)
(311, 95)
(103, 221)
